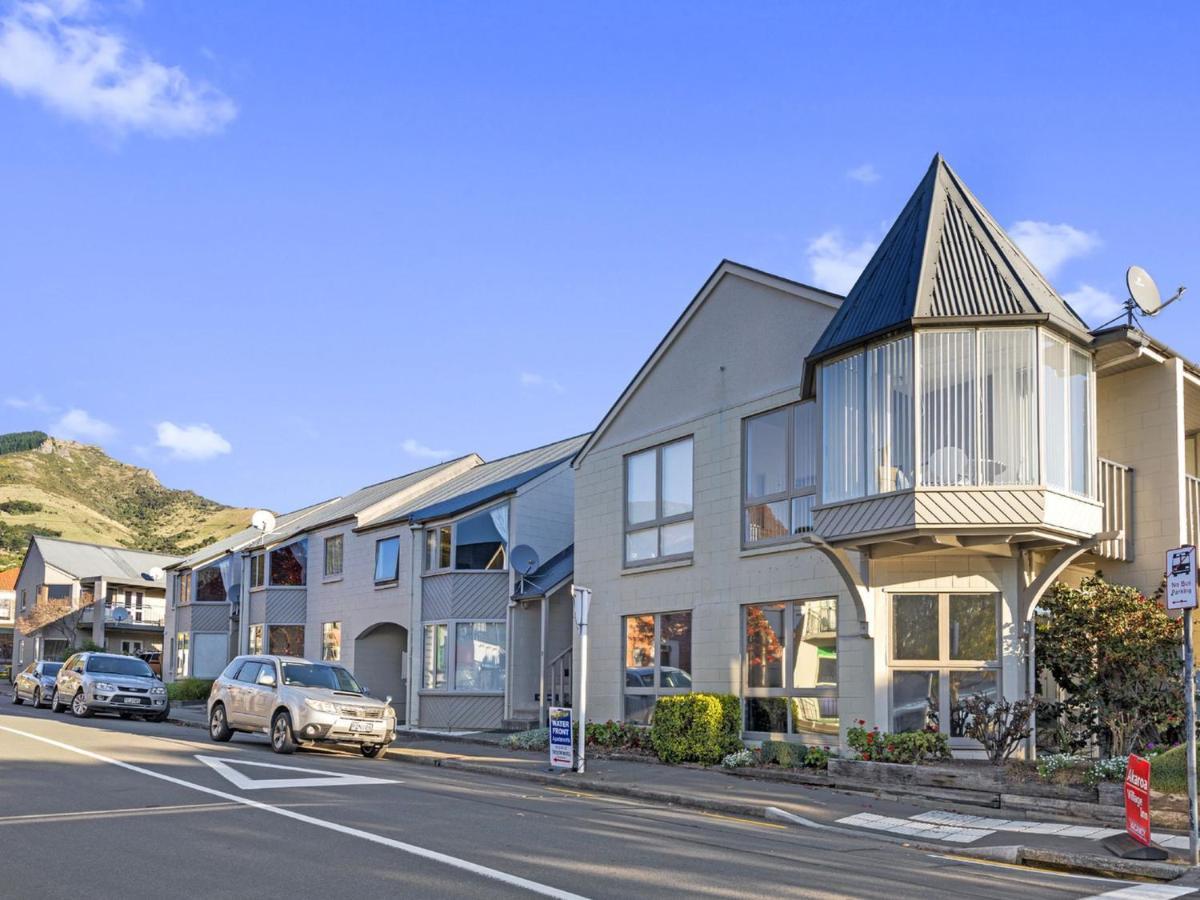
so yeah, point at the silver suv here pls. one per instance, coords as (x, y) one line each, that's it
(297, 701)
(108, 682)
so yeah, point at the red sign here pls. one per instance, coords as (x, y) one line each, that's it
(1137, 799)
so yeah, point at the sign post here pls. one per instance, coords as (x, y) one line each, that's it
(1181, 594)
(583, 602)
(562, 754)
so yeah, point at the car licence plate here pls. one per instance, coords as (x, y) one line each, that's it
(133, 701)
(361, 726)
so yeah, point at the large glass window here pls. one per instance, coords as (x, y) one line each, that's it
(843, 421)
(948, 412)
(210, 585)
(285, 640)
(1066, 380)
(658, 661)
(387, 560)
(331, 641)
(789, 660)
(258, 570)
(658, 503)
(334, 545)
(779, 473)
(479, 656)
(465, 656)
(1008, 406)
(475, 543)
(288, 564)
(945, 648)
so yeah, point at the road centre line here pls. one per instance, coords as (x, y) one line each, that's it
(129, 810)
(433, 855)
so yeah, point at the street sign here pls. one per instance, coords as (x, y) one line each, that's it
(1137, 799)
(561, 754)
(1181, 578)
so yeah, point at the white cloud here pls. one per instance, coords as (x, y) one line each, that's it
(55, 52)
(864, 174)
(1094, 305)
(415, 448)
(35, 402)
(534, 380)
(836, 265)
(191, 442)
(77, 424)
(1049, 246)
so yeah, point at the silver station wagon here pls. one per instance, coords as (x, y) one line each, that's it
(35, 683)
(89, 683)
(295, 701)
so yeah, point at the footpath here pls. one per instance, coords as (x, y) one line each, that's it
(938, 826)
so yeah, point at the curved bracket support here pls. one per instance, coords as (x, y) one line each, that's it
(1032, 593)
(850, 574)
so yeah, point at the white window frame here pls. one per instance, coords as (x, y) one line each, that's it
(791, 493)
(659, 522)
(258, 571)
(432, 538)
(451, 626)
(332, 541)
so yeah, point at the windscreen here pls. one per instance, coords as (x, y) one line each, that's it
(119, 665)
(312, 675)
(51, 668)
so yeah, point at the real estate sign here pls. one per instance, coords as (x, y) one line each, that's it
(1137, 799)
(561, 752)
(1181, 578)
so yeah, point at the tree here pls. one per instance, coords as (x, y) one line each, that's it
(55, 617)
(1115, 652)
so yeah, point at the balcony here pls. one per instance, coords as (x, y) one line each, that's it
(1115, 491)
(131, 618)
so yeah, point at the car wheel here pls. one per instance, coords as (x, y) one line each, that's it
(282, 740)
(79, 707)
(218, 725)
(16, 697)
(54, 706)
(36, 699)
(160, 716)
(370, 751)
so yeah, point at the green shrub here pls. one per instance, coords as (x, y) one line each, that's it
(900, 747)
(794, 756)
(701, 728)
(612, 735)
(189, 689)
(20, 507)
(534, 739)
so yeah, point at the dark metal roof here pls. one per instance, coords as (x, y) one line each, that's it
(553, 572)
(944, 257)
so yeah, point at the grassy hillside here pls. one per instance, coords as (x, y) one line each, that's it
(78, 492)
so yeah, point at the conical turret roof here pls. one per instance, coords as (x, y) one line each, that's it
(945, 257)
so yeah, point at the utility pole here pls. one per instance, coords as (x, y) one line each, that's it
(583, 601)
(1189, 689)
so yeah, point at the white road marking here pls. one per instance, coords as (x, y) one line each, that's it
(1060, 829)
(328, 779)
(544, 890)
(954, 834)
(1144, 892)
(129, 810)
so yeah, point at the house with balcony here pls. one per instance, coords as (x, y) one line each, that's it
(68, 592)
(843, 509)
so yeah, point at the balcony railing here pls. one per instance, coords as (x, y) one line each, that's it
(1115, 483)
(1192, 487)
(151, 617)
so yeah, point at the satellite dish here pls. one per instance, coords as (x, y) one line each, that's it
(156, 574)
(263, 520)
(120, 614)
(524, 559)
(1143, 290)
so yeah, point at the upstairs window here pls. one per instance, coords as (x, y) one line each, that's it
(210, 585)
(333, 555)
(183, 588)
(288, 564)
(387, 560)
(475, 543)
(658, 503)
(779, 473)
(258, 570)
(1066, 376)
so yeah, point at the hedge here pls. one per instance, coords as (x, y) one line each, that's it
(189, 689)
(701, 728)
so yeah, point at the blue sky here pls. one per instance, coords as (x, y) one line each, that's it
(275, 252)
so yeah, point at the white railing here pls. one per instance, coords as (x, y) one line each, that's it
(1115, 483)
(1192, 487)
(558, 680)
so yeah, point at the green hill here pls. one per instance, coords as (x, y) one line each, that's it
(76, 491)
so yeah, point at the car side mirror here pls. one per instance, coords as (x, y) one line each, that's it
(267, 679)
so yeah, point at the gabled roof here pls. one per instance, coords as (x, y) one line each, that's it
(550, 575)
(8, 578)
(489, 481)
(944, 257)
(97, 561)
(725, 267)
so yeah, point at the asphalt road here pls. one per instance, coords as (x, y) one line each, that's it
(102, 808)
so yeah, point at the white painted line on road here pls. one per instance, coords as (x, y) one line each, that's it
(129, 810)
(915, 827)
(1059, 829)
(1145, 892)
(328, 779)
(535, 887)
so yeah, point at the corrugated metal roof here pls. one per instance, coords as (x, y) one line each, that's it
(549, 575)
(488, 481)
(944, 257)
(94, 560)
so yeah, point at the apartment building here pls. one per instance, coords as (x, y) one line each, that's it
(68, 592)
(848, 509)
(407, 583)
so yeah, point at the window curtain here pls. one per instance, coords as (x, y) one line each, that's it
(948, 407)
(1009, 407)
(842, 414)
